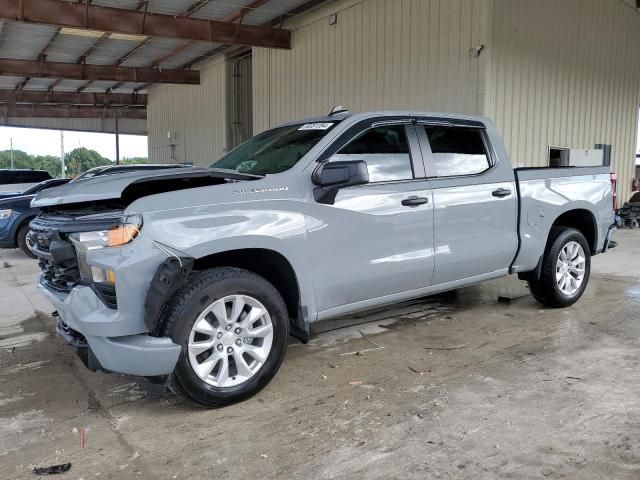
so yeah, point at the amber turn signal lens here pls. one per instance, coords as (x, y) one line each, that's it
(122, 235)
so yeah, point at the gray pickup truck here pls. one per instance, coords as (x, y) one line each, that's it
(200, 275)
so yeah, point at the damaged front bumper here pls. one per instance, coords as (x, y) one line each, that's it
(82, 319)
(107, 328)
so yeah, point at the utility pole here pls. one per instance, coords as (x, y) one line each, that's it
(11, 148)
(62, 175)
(117, 140)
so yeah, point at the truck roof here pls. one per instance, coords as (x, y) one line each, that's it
(342, 115)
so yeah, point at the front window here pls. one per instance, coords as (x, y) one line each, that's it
(275, 150)
(385, 150)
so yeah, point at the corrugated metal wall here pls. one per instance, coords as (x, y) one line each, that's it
(566, 74)
(552, 73)
(195, 116)
(107, 125)
(381, 54)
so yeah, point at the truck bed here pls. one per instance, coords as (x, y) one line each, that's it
(545, 194)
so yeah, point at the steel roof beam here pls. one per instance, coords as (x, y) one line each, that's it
(133, 22)
(8, 110)
(71, 98)
(279, 20)
(237, 15)
(73, 71)
(194, 8)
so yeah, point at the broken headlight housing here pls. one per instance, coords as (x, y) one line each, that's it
(114, 236)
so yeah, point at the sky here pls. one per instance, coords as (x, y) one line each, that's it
(47, 142)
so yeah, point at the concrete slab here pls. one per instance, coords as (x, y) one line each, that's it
(464, 387)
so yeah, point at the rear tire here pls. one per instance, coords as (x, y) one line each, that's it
(566, 267)
(233, 328)
(21, 240)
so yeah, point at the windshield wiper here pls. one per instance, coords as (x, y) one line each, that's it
(234, 175)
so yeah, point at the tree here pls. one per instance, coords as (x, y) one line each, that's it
(49, 163)
(134, 160)
(20, 159)
(77, 161)
(82, 159)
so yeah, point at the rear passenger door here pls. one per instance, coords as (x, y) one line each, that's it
(375, 240)
(474, 200)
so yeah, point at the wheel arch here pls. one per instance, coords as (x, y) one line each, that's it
(582, 220)
(20, 222)
(273, 267)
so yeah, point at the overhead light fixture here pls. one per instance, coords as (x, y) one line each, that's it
(131, 38)
(79, 32)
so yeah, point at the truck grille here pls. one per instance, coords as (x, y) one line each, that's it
(61, 277)
(41, 241)
(62, 269)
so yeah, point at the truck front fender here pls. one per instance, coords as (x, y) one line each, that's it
(205, 235)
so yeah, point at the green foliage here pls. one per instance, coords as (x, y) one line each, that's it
(37, 162)
(82, 159)
(134, 160)
(77, 161)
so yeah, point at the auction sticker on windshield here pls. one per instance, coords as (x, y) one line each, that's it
(316, 126)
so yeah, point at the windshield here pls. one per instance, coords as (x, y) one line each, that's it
(275, 150)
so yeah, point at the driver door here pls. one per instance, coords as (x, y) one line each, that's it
(374, 244)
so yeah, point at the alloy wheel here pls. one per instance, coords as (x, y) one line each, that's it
(570, 268)
(230, 341)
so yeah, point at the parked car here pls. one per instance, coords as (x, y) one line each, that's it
(9, 194)
(201, 274)
(16, 213)
(18, 180)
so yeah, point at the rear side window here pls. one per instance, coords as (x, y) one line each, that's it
(457, 150)
(385, 150)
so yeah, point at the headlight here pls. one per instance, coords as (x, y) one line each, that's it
(113, 237)
(5, 214)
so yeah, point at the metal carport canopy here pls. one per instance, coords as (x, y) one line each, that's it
(55, 52)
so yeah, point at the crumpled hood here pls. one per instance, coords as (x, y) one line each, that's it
(112, 187)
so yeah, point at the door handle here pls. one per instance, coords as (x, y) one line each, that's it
(501, 192)
(414, 201)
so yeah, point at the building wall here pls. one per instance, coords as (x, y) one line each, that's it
(565, 74)
(381, 54)
(551, 73)
(194, 114)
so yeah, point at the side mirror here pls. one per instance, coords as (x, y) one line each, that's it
(340, 174)
(332, 176)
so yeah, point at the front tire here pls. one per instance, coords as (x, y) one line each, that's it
(233, 328)
(566, 267)
(21, 240)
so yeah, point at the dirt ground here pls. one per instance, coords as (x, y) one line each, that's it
(456, 386)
